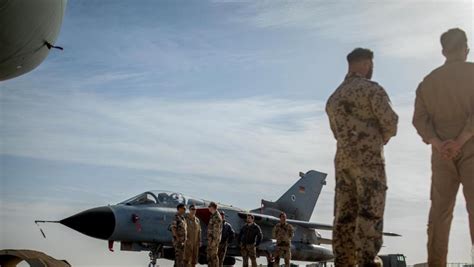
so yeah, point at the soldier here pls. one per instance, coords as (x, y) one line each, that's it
(444, 118)
(362, 121)
(250, 237)
(214, 231)
(283, 233)
(193, 237)
(227, 237)
(178, 228)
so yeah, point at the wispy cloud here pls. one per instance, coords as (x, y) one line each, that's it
(160, 134)
(407, 29)
(250, 143)
(192, 97)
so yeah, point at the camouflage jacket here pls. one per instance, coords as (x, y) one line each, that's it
(283, 233)
(178, 228)
(214, 228)
(362, 120)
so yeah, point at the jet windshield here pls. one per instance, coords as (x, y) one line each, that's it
(162, 198)
(142, 199)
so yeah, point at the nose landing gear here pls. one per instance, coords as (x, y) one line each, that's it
(155, 253)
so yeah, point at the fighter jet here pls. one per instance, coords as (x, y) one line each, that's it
(142, 223)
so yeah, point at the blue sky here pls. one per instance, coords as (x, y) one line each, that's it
(219, 99)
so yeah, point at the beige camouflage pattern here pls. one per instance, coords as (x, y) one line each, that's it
(193, 240)
(359, 209)
(214, 231)
(362, 120)
(178, 228)
(283, 233)
(248, 252)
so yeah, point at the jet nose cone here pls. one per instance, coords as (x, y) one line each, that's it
(97, 222)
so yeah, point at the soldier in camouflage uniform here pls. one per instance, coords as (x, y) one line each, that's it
(193, 238)
(363, 121)
(283, 233)
(214, 231)
(178, 228)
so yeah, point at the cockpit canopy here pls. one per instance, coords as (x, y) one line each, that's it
(162, 199)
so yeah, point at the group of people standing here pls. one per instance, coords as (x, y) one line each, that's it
(186, 230)
(363, 121)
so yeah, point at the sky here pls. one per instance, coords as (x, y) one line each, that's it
(218, 99)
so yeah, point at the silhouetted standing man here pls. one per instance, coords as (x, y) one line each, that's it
(444, 118)
(362, 121)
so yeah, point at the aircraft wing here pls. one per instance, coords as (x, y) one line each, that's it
(312, 225)
(260, 218)
(325, 241)
(272, 220)
(390, 234)
(329, 227)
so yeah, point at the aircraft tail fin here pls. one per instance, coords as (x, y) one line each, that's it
(301, 198)
(299, 201)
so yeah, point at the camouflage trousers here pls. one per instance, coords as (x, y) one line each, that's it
(358, 219)
(222, 252)
(445, 182)
(212, 256)
(283, 252)
(249, 251)
(179, 250)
